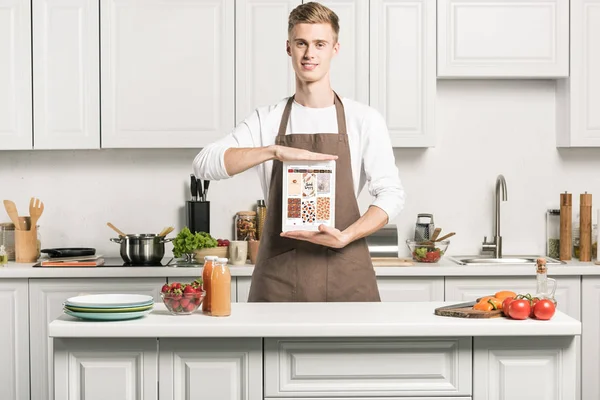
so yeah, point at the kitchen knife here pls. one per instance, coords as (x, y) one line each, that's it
(193, 187)
(199, 185)
(206, 183)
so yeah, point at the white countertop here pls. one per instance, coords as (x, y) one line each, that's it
(314, 320)
(443, 268)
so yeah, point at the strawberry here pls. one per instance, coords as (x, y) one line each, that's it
(176, 294)
(166, 287)
(175, 305)
(189, 289)
(190, 307)
(175, 285)
(184, 303)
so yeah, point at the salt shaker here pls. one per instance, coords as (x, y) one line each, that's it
(553, 233)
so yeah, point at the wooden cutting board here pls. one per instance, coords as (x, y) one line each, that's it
(392, 262)
(465, 310)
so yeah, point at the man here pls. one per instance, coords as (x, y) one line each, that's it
(332, 264)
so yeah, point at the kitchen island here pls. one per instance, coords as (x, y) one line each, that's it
(317, 351)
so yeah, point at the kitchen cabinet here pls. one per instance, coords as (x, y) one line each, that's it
(350, 68)
(547, 362)
(243, 288)
(167, 71)
(189, 279)
(228, 369)
(578, 98)
(263, 69)
(66, 74)
(106, 369)
(411, 288)
(590, 355)
(15, 75)
(505, 38)
(402, 81)
(46, 297)
(14, 339)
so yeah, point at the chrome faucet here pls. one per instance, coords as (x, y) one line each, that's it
(496, 245)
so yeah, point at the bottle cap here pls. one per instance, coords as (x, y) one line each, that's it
(260, 203)
(222, 260)
(211, 258)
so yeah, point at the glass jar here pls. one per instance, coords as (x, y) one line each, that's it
(7, 238)
(595, 242)
(245, 225)
(553, 233)
(220, 289)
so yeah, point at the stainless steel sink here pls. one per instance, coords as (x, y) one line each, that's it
(515, 260)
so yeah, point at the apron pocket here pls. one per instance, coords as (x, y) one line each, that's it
(275, 279)
(350, 277)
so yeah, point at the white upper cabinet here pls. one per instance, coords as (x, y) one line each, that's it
(402, 69)
(167, 72)
(350, 68)
(66, 74)
(263, 69)
(15, 75)
(503, 38)
(578, 98)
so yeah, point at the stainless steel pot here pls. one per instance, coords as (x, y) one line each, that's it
(144, 249)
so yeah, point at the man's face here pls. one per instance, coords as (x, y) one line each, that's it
(312, 46)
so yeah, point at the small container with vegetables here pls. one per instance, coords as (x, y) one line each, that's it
(427, 252)
(186, 244)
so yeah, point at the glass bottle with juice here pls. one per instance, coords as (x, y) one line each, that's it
(206, 278)
(220, 288)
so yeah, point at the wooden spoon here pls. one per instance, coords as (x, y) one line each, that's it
(11, 209)
(445, 237)
(36, 208)
(436, 233)
(114, 228)
(166, 231)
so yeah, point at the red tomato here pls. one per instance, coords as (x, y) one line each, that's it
(519, 309)
(505, 305)
(544, 309)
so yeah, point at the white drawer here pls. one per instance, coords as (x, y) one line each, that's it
(379, 398)
(326, 367)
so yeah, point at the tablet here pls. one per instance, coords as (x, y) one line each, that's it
(308, 195)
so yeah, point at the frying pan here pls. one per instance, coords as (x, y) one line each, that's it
(69, 252)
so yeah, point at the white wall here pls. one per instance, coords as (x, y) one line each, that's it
(484, 128)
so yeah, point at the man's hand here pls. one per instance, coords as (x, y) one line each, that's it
(284, 153)
(326, 236)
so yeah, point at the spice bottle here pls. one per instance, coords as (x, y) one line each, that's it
(566, 240)
(3, 256)
(553, 233)
(245, 225)
(595, 242)
(585, 227)
(542, 280)
(261, 215)
(575, 236)
(220, 289)
(206, 282)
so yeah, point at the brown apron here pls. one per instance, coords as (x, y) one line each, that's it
(289, 270)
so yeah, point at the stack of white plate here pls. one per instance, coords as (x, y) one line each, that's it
(109, 307)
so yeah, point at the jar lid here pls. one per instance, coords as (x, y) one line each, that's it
(223, 260)
(260, 203)
(210, 258)
(247, 213)
(9, 226)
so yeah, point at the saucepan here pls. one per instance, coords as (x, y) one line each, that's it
(142, 249)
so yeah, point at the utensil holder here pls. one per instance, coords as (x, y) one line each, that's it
(198, 216)
(26, 247)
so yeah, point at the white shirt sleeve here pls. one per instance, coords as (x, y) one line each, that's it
(209, 164)
(380, 166)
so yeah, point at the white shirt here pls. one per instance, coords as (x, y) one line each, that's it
(372, 156)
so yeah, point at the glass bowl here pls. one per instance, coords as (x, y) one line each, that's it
(423, 253)
(183, 304)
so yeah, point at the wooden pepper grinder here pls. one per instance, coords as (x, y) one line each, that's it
(565, 226)
(585, 226)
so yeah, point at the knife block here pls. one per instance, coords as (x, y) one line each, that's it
(26, 247)
(197, 216)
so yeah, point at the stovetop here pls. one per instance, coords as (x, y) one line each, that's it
(118, 262)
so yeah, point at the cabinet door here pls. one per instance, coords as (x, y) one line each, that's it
(590, 346)
(224, 369)
(506, 38)
(461, 289)
(524, 368)
(167, 72)
(264, 73)
(189, 279)
(94, 369)
(578, 98)
(411, 289)
(243, 288)
(46, 297)
(15, 75)
(402, 74)
(350, 68)
(66, 74)
(14, 339)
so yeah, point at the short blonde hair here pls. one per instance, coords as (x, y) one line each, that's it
(314, 13)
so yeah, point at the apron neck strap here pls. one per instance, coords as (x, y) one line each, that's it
(339, 111)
